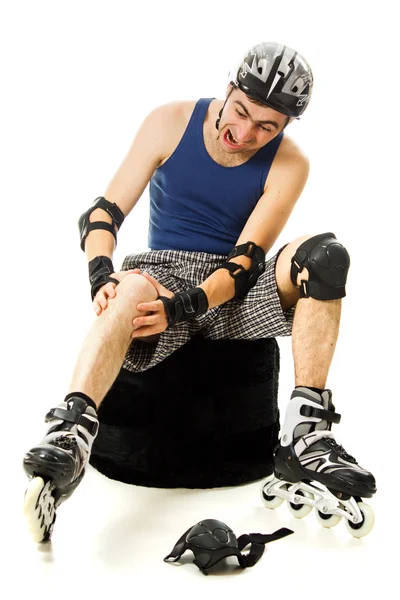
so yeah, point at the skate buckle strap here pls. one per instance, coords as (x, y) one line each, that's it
(319, 413)
(72, 416)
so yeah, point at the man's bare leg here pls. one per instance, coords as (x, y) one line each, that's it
(315, 332)
(109, 338)
(315, 325)
(57, 465)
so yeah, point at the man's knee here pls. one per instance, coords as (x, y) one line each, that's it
(135, 284)
(132, 290)
(326, 263)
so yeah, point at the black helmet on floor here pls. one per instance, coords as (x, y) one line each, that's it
(276, 76)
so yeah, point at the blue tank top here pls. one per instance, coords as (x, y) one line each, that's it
(197, 204)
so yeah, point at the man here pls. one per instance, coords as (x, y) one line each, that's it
(223, 182)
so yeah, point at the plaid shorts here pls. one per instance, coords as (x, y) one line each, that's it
(258, 315)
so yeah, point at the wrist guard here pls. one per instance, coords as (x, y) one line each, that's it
(185, 305)
(100, 269)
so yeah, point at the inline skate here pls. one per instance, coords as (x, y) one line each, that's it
(312, 470)
(57, 465)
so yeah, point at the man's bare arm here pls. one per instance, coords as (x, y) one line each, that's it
(286, 181)
(150, 145)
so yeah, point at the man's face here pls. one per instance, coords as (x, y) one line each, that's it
(246, 126)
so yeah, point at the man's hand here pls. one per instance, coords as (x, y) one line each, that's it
(155, 322)
(100, 301)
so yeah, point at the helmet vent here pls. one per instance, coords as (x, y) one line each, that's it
(277, 76)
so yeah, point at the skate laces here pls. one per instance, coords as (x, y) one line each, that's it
(340, 450)
(66, 442)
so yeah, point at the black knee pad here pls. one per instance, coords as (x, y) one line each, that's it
(327, 262)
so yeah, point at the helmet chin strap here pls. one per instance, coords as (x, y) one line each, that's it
(220, 112)
(219, 118)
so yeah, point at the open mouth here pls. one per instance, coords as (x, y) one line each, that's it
(230, 140)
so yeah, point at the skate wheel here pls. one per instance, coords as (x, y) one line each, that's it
(39, 509)
(269, 501)
(362, 529)
(299, 510)
(327, 521)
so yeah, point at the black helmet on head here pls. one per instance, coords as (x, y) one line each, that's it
(276, 76)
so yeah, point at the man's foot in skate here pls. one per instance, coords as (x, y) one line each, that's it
(312, 470)
(308, 450)
(57, 465)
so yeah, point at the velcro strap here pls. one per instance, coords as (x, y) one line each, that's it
(234, 269)
(319, 413)
(258, 541)
(314, 289)
(101, 225)
(112, 209)
(249, 249)
(113, 280)
(73, 416)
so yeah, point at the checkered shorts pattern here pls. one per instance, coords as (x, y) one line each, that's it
(258, 315)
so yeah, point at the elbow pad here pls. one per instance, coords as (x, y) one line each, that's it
(245, 279)
(85, 226)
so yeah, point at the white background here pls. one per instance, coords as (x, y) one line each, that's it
(77, 79)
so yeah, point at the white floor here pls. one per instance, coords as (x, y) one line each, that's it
(111, 538)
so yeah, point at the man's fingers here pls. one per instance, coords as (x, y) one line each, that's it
(96, 307)
(101, 298)
(103, 302)
(145, 321)
(153, 306)
(159, 288)
(150, 278)
(110, 289)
